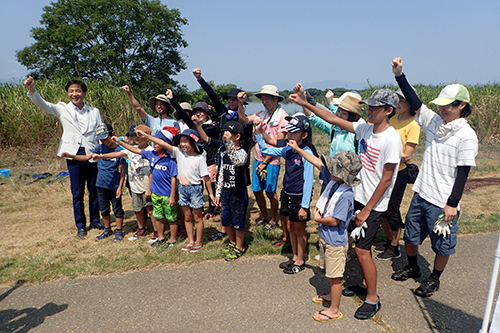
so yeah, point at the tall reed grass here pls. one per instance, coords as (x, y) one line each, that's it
(22, 124)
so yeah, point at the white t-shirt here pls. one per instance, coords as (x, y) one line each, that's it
(138, 171)
(376, 150)
(446, 147)
(190, 169)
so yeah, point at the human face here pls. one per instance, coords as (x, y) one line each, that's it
(158, 149)
(228, 136)
(343, 114)
(233, 103)
(297, 136)
(403, 107)
(202, 116)
(108, 142)
(269, 102)
(337, 179)
(161, 108)
(450, 112)
(377, 114)
(76, 95)
(185, 144)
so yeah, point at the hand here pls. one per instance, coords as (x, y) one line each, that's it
(115, 140)
(96, 157)
(29, 82)
(299, 89)
(242, 97)
(119, 193)
(66, 155)
(442, 227)
(293, 144)
(171, 201)
(397, 66)
(295, 98)
(316, 214)
(195, 120)
(197, 73)
(449, 213)
(257, 123)
(147, 194)
(302, 213)
(212, 198)
(329, 97)
(261, 167)
(226, 136)
(362, 216)
(140, 133)
(217, 202)
(169, 94)
(126, 89)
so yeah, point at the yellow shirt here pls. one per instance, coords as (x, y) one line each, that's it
(408, 130)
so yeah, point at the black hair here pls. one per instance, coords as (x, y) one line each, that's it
(78, 82)
(466, 111)
(393, 110)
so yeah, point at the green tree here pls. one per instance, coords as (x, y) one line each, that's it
(135, 42)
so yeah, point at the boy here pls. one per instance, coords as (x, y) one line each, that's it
(138, 175)
(110, 180)
(380, 152)
(333, 211)
(163, 184)
(229, 192)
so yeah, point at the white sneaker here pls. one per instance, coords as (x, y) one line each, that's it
(153, 238)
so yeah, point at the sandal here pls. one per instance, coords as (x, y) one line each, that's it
(321, 313)
(320, 299)
(263, 221)
(188, 247)
(279, 243)
(354, 290)
(294, 269)
(195, 248)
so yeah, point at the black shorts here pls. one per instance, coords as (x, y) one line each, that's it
(393, 215)
(290, 206)
(105, 197)
(373, 222)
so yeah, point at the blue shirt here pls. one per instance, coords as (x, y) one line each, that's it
(162, 172)
(108, 176)
(344, 207)
(156, 124)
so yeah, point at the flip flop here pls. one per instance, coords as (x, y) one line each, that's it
(279, 243)
(320, 299)
(327, 316)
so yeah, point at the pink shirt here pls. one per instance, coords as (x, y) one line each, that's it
(272, 129)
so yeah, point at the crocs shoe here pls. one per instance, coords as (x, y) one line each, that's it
(367, 310)
(234, 254)
(294, 269)
(228, 248)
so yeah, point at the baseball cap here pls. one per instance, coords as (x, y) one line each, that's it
(297, 122)
(103, 130)
(451, 93)
(233, 127)
(381, 97)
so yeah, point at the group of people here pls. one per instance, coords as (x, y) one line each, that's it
(363, 178)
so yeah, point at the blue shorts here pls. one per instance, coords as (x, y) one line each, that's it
(191, 195)
(420, 221)
(234, 204)
(271, 183)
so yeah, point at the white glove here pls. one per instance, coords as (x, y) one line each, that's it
(442, 228)
(359, 232)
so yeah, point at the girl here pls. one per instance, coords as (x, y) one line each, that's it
(404, 123)
(297, 186)
(192, 167)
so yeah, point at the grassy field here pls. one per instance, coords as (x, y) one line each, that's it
(39, 242)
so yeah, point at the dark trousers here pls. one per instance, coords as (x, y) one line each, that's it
(79, 173)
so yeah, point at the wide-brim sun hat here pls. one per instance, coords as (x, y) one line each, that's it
(353, 94)
(400, 94)
(193, 135)
(161, 97)
(451, 93)
(351, 104)
(382, 97)
(344, 165)
(271, 90)
(186, 106)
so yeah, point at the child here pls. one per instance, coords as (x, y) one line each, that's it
(380, 152)
(138, 175)
(229, 193)
(192, 168)
(333, 211)
(297, 187)
(110, 180)
(451, 144)
(163, 184)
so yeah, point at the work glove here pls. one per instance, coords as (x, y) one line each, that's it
(359, 232)
(442, 228)
(262, 175)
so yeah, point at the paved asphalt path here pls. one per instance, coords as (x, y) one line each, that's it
(252, 295)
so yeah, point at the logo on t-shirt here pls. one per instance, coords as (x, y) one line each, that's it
(369, 155)
(297, 161)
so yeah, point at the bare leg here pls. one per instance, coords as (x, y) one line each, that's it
(411, 250)
(273, 197)
(293, 240)
(240, 238)
(440, 262)
(119, 223)
(107, 221)
(174, 228)
(200, 226)
(141, 219)
(188, 222)
(261, 202)
(285, 222)
(336, 293)
(161, 228)
(369, 273)
(300, 233)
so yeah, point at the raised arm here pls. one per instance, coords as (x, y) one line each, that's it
(30, 84)
(315, 161)
(160, 142)
(326, 115)
(135, 103)
(125, 145)
(220, 108)
(408, 92)
(180, 111)
(242, 117)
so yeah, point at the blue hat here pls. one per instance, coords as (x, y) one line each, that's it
(165, 136)
(297, 123)
(193, 135)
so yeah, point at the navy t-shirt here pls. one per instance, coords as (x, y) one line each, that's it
(108, 176)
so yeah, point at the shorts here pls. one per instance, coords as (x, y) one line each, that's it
(105, 197)
(335, 259)
(271, 183)
(234, 204)
(161, 208)
(373, 222)
(290, 206)
(191, 195)
(138, 201)
(393, 214)
(420, 221)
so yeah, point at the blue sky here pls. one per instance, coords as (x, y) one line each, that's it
(319, 43)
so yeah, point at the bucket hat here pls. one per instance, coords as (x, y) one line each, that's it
(344, 165)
